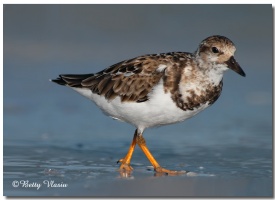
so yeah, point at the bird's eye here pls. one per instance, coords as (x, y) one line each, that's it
(215, 50)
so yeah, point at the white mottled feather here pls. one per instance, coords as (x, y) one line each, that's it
(161, 68)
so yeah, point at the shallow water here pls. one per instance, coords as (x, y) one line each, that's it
(88, 171)
(53, 134)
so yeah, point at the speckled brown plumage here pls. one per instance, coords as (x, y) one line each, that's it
(133, 80)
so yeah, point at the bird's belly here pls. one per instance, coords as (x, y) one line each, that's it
(157, 111)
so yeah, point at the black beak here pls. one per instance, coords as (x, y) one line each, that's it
(232, 64)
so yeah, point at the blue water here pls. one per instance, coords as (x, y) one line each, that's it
(52, 133)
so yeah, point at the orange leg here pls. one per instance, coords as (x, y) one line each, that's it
(125, 162)
(142, 144)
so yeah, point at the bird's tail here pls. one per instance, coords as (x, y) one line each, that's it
(72, 80)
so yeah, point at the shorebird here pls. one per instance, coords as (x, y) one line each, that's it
(158, 89)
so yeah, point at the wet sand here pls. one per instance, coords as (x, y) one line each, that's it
(53, 171)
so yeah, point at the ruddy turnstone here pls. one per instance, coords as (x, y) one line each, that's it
(158, 89)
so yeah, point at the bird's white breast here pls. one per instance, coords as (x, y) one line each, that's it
(158, 110)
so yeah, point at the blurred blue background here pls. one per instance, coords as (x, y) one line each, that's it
(43, 41)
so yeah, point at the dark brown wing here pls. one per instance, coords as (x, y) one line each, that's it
(132, 80)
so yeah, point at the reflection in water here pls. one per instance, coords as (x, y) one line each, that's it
(126, 174)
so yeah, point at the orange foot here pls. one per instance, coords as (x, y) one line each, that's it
(169, 172)
(125, 169)
(124, 166)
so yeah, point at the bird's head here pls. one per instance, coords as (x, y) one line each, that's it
(217, 53)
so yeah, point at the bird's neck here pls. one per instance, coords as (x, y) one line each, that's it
(211, 71)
